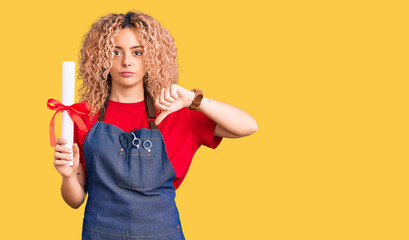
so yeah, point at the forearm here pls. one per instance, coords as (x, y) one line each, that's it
(231, 121)
(231, 118)
(72, 192)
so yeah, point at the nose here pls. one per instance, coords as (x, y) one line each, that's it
(126, 60)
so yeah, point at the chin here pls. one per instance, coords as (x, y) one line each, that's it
(129, 83)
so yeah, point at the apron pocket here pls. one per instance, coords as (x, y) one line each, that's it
(134, 169)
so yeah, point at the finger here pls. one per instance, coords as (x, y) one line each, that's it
(60, 141)
(61, 162)
(168, 97)
(60, 148)
(182, 92)
(161, 116)
(159, 105)
(76, 151)
(62, 156)
(174, 91)
(162, 98)
(162, 107)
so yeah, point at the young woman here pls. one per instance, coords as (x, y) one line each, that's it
(142, 131)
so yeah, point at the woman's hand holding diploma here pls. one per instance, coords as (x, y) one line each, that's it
(62, 158)
(73, 185)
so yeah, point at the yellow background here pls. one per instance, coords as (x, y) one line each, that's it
(327, 82)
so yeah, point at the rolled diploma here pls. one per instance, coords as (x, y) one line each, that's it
(68, 92)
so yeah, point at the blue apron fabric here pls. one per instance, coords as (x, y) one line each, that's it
(130, 187)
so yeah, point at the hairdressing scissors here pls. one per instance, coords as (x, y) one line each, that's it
(135, 138)
(147, 145)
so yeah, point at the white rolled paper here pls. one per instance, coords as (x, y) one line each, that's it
(68, 92)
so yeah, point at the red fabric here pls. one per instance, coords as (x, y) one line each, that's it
(183, 131)
(73, 110)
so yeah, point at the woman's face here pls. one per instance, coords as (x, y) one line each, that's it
(129, 57)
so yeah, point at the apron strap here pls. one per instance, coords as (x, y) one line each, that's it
(150, 109)
(101, 115)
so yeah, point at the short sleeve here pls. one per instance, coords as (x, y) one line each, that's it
(203, 129)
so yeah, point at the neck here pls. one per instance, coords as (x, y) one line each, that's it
(127, 95)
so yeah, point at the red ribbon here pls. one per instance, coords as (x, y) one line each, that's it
(74, 111)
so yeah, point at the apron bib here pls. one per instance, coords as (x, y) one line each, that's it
(130, 183)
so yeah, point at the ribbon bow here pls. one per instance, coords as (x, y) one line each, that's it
(75, 110)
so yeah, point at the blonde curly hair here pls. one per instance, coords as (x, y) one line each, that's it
(96, 56)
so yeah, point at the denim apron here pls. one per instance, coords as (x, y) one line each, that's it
(130, 183)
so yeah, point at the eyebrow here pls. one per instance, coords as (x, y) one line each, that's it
(131, 47)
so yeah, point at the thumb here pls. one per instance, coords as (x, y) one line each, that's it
(75, 152)
(161, 116)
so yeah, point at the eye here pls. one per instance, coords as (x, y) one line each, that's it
(139, 53)
(117, 53)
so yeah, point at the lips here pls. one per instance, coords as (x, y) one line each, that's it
(126, 74)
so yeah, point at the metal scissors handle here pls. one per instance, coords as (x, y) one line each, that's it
(147, 147)
(133, 141)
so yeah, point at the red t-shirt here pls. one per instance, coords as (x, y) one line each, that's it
(183, 131)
